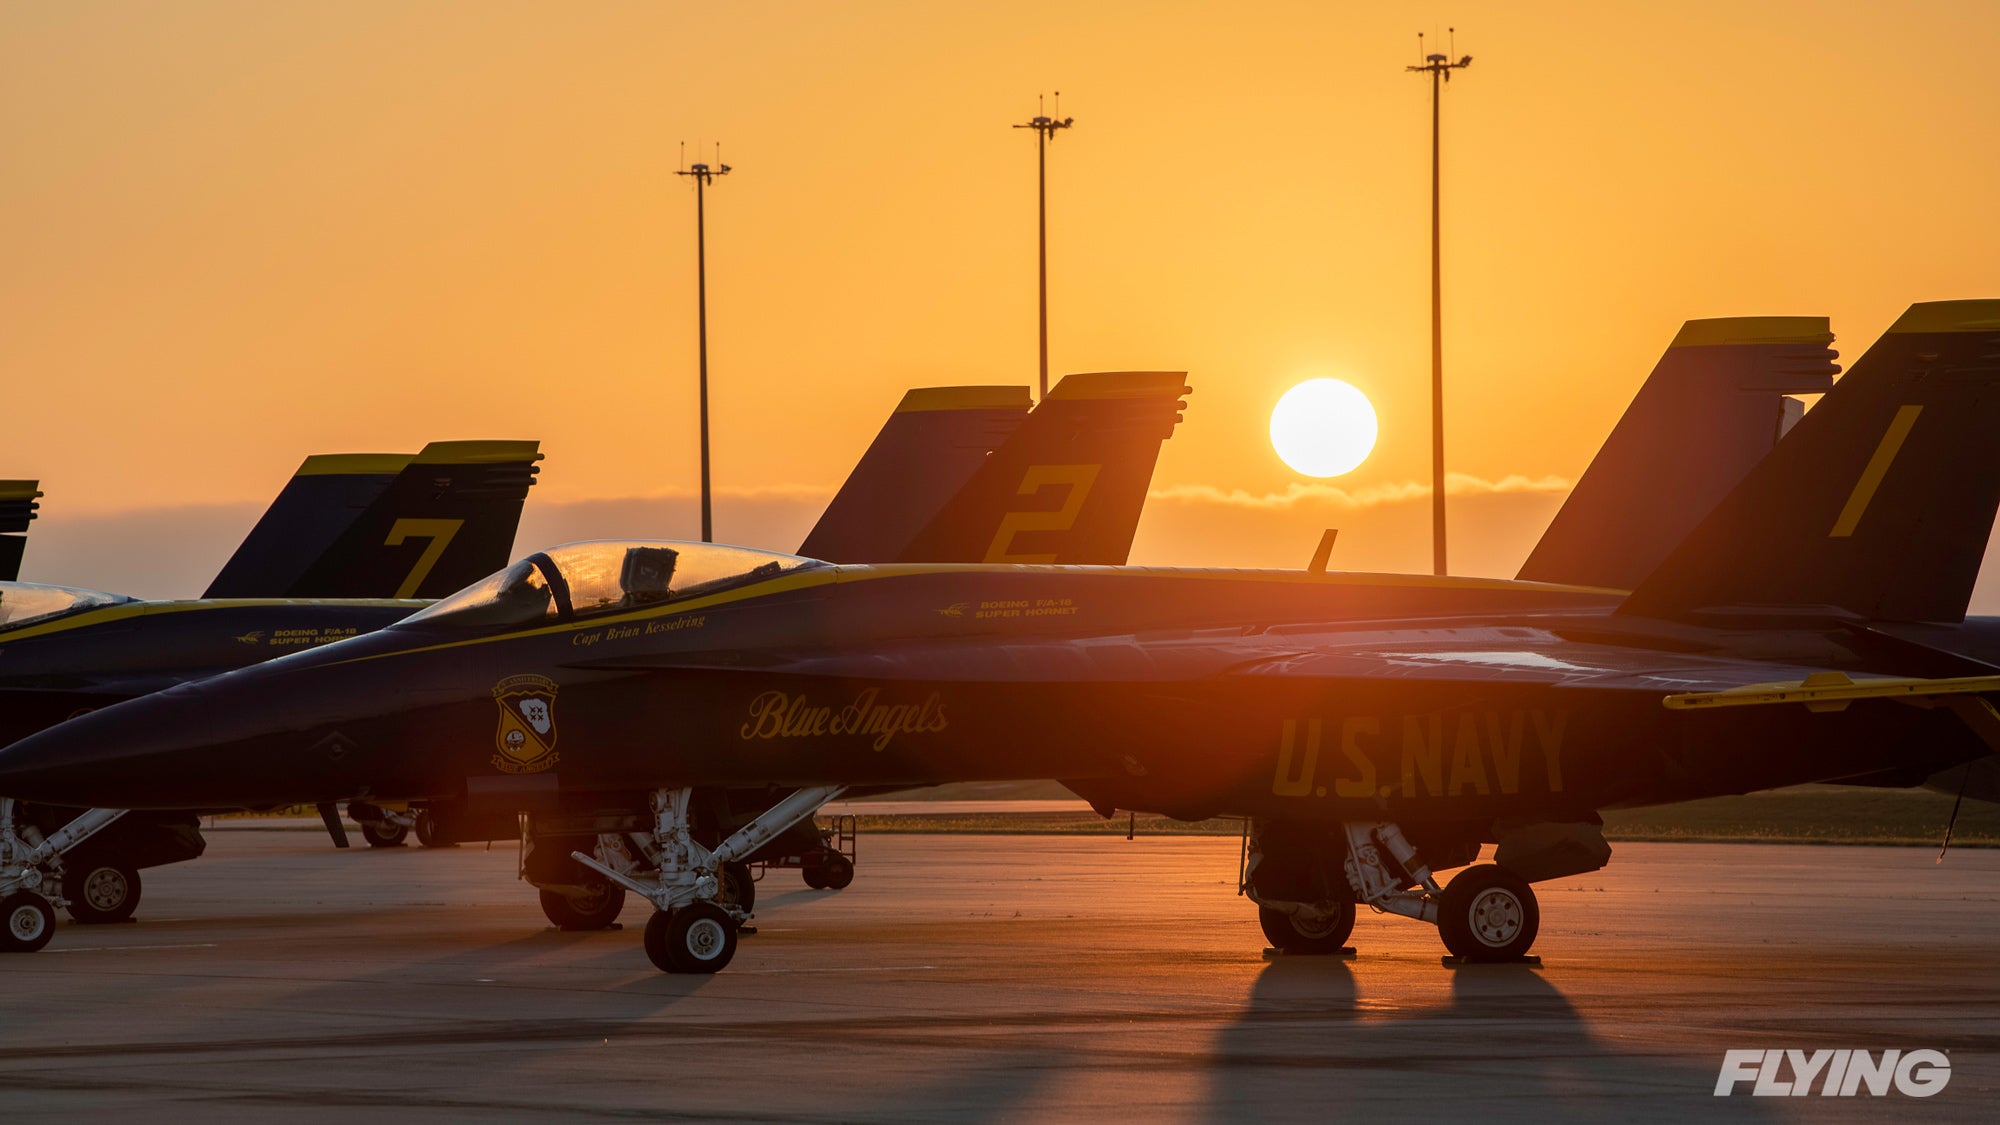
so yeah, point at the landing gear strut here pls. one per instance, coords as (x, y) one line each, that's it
(32, 877)
(695, 929)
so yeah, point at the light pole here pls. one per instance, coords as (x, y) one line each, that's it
(1439, 67)
(1045, 131)
(703, 175)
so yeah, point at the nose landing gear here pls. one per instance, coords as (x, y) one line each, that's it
(32, 879)
(27, 922)
(702, 895)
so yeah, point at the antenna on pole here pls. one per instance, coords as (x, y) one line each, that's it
(703, 175)
(1439, 67)
(1045, 131)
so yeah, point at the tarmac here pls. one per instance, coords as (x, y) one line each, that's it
(989, 978)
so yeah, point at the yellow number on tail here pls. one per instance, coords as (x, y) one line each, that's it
(1079, 478)
(439, 532)
(1877, 468)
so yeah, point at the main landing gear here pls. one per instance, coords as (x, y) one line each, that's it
(703, 896)
(33, 881)
(1486, 913)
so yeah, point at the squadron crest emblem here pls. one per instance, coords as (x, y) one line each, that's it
(527, 735)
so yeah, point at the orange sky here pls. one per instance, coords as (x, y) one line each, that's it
(235, 233)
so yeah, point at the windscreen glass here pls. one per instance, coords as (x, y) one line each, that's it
(583, 579)
(25, 602)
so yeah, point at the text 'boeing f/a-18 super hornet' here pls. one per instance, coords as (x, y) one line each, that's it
(1377, 729)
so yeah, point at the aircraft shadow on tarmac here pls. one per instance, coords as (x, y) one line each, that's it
(1505, 1044)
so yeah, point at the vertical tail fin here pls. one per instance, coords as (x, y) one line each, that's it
(17, 510)
(442, 522)
(925, 453)
(324, 497)
(1713, 407)
(1069, 484)
(1880, 501)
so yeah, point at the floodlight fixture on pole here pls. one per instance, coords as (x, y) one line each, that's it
(1045, 131)
(703, 175)
(1439, 67)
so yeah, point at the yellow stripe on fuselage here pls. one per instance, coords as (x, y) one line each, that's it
(147, 609)
(821, 576)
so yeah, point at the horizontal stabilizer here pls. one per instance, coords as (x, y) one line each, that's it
(1713, 407)
(1878, 503)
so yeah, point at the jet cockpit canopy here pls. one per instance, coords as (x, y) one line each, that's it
(604, 576)
(23, 602)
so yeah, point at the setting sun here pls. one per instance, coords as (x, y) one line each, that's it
(1323, 428)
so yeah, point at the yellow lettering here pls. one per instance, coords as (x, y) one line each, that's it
(767, 716)
(439, 532)
(1423, 754)
(1550, 733)
(1079, 478)
(1506, 745)
(1285, 785)
(1466, 766)
(1363, 783)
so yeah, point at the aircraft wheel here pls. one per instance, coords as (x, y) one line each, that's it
(838, 872)
(814, 875)
(739, 886)
(697, 938)
(1297, 933)
(1488, 913)
(384, 834)
(27, 922)
(101, 892)
(427, 831)
(593, 911)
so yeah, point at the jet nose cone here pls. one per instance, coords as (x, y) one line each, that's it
(112, 758)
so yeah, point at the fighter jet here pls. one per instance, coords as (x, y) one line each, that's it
(1376, 729)
(346, 522)
(18, 508)
(330, 534)
(956, 474)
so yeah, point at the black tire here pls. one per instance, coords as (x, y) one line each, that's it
(814, 875)
(427, 831)
(594, 911)
(738, 886)
(697, 938)
(101, 891)
(1488, 913)
(1293, 933)
(838, 872)
(384, 834)
(27, 922)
